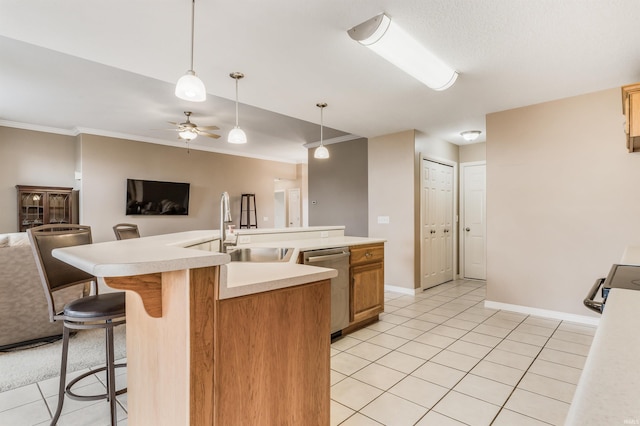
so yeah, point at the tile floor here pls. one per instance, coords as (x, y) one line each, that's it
(437, 358)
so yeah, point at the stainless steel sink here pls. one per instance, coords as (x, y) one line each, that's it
(260, 254)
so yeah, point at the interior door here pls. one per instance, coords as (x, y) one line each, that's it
(294, 207)
(437, 224)
(474, 221)
(279, 220)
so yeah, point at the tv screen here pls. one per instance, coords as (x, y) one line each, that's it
(150, 197)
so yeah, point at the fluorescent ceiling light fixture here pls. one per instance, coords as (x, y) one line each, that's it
(321, 152)
(237, 135)
(189, 86)
(388, 40)
(470, 135)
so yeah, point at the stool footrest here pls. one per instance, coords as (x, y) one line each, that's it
(77, 397)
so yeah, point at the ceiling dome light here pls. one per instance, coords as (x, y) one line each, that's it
(237, 135)
(321, 152)
(470, 135)
(388, 40)
(189, 86)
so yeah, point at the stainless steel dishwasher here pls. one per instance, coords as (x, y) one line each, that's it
(338, 259)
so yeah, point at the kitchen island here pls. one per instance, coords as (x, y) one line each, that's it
(607, 393)
(216, 343)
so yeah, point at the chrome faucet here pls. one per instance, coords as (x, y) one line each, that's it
(225, 217)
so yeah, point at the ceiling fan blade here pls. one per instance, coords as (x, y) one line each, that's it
(209, 127)
(209, 135)
(173, 122)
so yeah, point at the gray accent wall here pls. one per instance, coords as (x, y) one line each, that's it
(338, 188)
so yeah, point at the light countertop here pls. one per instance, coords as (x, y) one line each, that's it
(607, 393)
(171, 252)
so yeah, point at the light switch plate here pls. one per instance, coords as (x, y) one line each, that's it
(244, 239)
(324, 234)
(383, 219)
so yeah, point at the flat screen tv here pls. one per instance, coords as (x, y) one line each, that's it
(150, 197)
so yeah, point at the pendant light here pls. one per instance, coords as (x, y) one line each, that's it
(190, 87)
(237, 135)
(321, 152)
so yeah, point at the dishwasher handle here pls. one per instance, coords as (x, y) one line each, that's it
(315, 259)
(589, 302)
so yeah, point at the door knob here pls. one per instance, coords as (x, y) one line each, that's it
(467, 229)
(446, 230)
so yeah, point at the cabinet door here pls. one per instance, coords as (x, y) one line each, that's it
(58, 207)
(367, 291)
(30, 209)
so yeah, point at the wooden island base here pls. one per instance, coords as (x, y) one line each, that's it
(261, 359)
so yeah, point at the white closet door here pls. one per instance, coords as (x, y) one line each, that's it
(437, 223)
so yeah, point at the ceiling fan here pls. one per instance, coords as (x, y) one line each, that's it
(188, 131)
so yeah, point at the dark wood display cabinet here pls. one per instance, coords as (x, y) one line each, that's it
(39, 205)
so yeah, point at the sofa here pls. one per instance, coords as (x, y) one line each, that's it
(24, 316)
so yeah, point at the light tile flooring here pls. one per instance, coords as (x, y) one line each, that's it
(438, 358)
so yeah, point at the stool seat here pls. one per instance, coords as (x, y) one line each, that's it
(100, 305)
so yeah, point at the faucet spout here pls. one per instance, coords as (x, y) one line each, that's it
(225, 217)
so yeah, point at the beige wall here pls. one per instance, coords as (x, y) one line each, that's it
(108, 162)
(39, 158)
(473, 152)
(31, 158)
(391, 193)
(562, 200)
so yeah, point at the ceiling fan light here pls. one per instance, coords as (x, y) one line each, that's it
(470, 135)
(237, 136)
(321, 152)
(191, 88)
(188, 135)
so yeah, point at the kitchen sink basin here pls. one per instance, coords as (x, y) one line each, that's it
(260, 254)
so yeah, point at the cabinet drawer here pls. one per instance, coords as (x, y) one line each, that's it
(368, 253)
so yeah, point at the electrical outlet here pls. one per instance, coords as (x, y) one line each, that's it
(383, 219)
(265, 218)
(324, 234)
(244, 239)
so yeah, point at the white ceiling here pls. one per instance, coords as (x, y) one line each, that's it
(110, 66)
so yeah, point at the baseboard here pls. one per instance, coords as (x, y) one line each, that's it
(564, 316)
(402, 290)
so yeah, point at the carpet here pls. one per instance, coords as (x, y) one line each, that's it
(86, 349)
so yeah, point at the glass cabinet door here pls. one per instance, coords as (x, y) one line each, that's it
(31, 209)
(59, 208)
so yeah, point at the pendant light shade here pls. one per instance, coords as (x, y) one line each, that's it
(189, 86)
(321, 152)
(237, 135)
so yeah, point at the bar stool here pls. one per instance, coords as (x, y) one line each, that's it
(124, 231)
(89, 312)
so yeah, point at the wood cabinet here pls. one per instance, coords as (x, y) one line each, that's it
(39, 205)
(366, 282)
(195, 359)
(631, 110)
